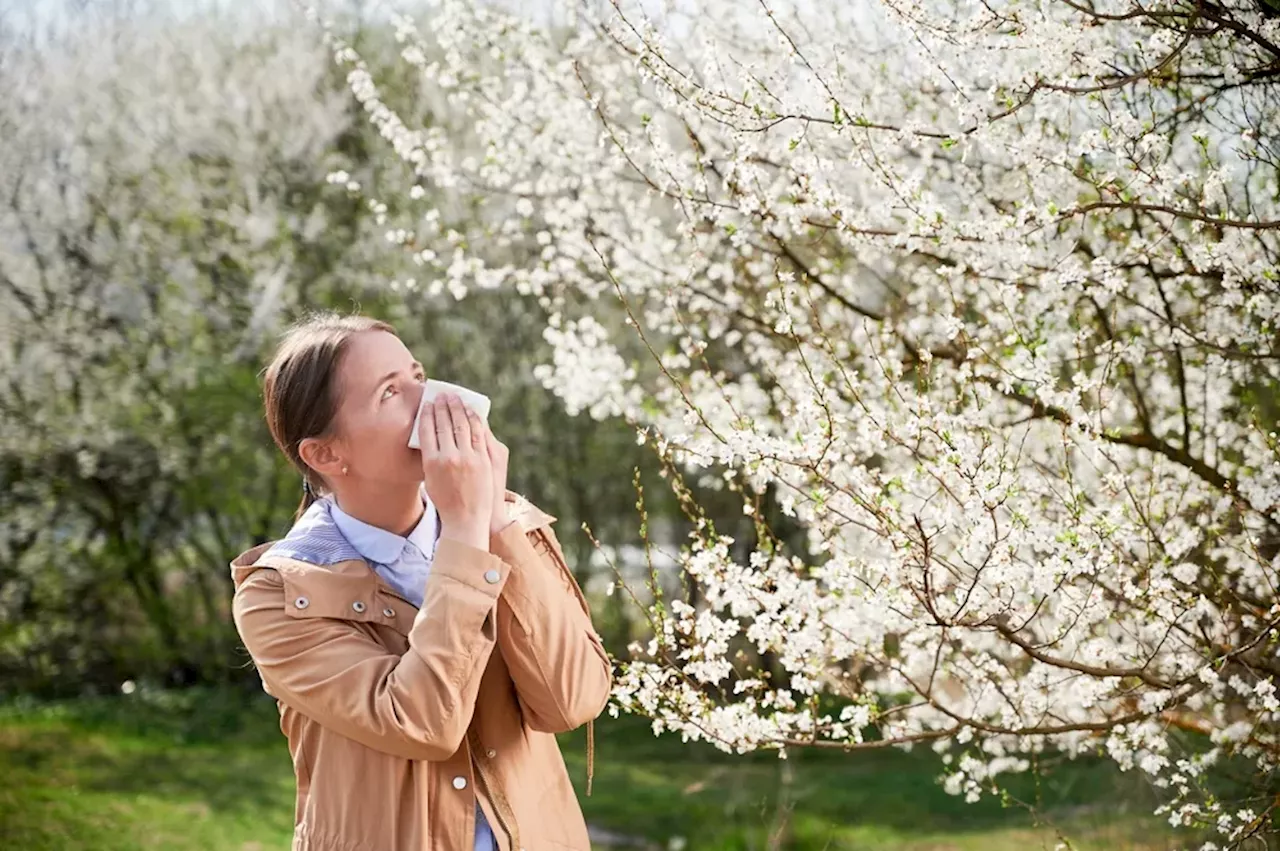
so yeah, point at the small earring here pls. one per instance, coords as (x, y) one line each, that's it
(344, 469)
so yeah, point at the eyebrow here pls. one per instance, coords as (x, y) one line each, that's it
(393, 373)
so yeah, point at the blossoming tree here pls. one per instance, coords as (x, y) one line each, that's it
(984, 296)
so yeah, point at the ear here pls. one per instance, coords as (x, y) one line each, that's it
(321, 456)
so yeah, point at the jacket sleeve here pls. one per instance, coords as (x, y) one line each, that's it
(557, 661)
(416, 706)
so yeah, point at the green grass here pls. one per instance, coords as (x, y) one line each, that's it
(868, 801)
(210, 771)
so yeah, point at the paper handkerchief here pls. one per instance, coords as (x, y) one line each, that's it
(477, 402)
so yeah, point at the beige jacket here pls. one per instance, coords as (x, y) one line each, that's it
(399, 720)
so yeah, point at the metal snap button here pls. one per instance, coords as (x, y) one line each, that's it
(391, 613)
(492, 577)
(459, 783)
(358, 606)
(301, 603)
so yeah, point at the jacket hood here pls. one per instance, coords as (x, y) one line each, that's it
(245, 564)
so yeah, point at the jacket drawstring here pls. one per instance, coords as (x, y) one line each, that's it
(591, 754)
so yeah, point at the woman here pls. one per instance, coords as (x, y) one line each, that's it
(418, 626)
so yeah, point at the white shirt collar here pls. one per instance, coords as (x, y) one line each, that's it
(383, 547)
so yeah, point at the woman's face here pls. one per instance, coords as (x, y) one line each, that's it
(379, 387)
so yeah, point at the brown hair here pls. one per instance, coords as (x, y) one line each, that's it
(298, 390)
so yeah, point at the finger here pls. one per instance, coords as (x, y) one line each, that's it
(497, 452)
(427, 438)
(461, 427)
(443, 425)
(478, 431)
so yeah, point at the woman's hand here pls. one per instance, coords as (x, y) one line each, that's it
(498, 457)
(456, 470)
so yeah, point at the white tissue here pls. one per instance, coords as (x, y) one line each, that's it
(477, 402)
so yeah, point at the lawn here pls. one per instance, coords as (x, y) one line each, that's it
(210, 771)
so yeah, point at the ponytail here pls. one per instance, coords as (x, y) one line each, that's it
(309, 499)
